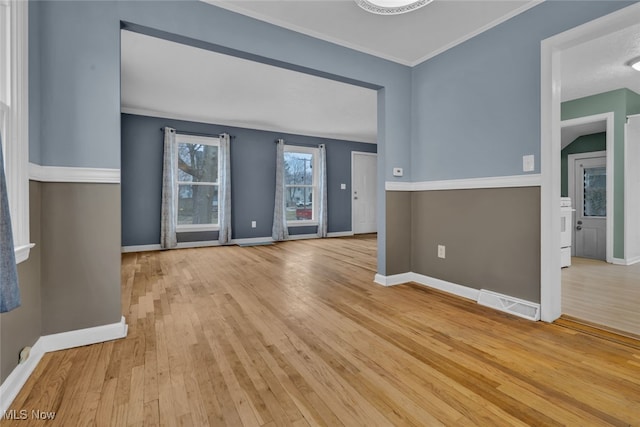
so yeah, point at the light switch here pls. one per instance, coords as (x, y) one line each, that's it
(528, 163)
(343, 186)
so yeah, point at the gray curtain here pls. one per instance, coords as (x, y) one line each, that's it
(322, 192)
(224, 190)
(280, 230)
(9, 290)
(168, 218)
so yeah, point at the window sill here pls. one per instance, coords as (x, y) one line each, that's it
(302, 223)
(22, 252)
(196, 229)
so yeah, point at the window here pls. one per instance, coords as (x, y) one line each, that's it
(197, 183)
(14, 120)
(595, 192)
(301, 183)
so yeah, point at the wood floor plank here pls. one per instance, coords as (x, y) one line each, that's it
(298, 334)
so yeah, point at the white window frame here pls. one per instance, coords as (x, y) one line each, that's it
(15, 126)
(201, 140)
(315, 152)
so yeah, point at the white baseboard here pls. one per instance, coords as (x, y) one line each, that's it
(48, 343)
(443, 285)
(80, 337)
(340, 234)
(140, 248)
(247, 241)
(395, 279)
(431, 282)
(630, 261)
(455, 289)
(19, 376)
(634, 260)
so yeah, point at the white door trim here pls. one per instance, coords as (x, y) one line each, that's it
(551, 57)
(353, 155)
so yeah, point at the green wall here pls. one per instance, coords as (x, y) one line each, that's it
(621, 102)
(583, 144)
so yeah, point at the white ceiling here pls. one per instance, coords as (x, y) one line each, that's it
(213, 88)
(601, 65)
(598, 66)
(570, 133)
(408, 38)
(204, 86)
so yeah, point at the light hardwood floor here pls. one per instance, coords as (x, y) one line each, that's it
(603, 294)
(298, 334)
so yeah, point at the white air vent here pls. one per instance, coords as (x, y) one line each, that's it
(515, 306)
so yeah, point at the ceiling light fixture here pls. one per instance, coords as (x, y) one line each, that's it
(635, 63)
(391, 7)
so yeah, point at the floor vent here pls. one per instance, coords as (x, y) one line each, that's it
(515, 306)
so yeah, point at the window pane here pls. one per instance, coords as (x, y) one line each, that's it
(299, 203)
(595, 191)
(197, 204)
(298, 168)
(197, 163)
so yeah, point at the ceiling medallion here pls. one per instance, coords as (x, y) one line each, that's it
(391, 7)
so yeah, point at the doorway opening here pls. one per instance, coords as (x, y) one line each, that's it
(554, 59)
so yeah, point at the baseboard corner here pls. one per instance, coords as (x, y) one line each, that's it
(10, 388)
(12, 385)
(87, 336)
(394, 279)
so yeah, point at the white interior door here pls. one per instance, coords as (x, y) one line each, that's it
(590, 195)
(364, 168)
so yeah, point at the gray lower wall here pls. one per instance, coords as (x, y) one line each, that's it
(22, 327)
(398, 243)
(81, 266)
(492, 238)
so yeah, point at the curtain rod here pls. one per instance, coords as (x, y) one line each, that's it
(301, 144)
(197, 133)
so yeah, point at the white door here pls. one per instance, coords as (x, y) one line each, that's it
(364, 167)
(591, 207)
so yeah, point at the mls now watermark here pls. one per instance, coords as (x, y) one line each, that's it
(23, 414)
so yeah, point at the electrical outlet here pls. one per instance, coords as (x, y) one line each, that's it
(253, 224)
(24, 354)
(441, 251)
(398, 172)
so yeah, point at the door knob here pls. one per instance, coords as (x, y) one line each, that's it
(579, 228)
(355, 197)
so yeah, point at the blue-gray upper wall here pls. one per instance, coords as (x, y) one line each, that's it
(79, 78)
(253, 173)
(476, 107)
